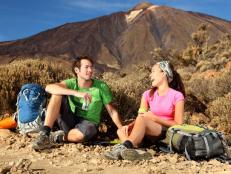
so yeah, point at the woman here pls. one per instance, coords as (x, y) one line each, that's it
(161, 107)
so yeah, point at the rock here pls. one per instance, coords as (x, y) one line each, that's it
(155, 160)
(22, 145)
(5, 133)
(5, 169)
(99, 169)
(87, 170)
(152, 152)
(214, 162)
(94, 161)
(173, 159)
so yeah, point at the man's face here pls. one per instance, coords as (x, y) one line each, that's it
(86, 70)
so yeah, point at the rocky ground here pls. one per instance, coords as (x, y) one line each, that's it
(16, 156)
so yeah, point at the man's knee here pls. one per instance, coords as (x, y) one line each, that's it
(74, 135)
(87, 129)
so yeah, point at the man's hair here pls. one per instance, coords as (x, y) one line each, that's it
(77, 62)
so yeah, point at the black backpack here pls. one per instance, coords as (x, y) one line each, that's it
(197, 143)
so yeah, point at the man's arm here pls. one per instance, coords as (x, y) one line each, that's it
(61, 89)
(114, 115)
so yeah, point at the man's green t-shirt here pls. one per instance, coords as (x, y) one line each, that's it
(101, 95)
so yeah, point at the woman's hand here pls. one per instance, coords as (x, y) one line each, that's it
(149, 115)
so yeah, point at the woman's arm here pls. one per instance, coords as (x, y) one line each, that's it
(143, 106)
(178, 118)
(179, 112)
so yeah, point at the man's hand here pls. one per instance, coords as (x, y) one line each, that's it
(86, 96)
(124, 129)
(127, 129)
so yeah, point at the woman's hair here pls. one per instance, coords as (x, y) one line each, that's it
(176, 83)
(77, 62)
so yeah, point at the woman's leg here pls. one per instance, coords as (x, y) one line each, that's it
(143, 126)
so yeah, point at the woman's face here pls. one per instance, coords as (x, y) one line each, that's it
(157, 76)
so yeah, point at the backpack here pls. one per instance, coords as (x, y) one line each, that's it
(196, 142)
(31, 103)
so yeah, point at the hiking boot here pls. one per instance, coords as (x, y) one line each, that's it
(115, 153)
(133, 154)
(57, 136)
(43, 141)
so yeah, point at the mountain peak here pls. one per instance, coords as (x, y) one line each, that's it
(142, 6)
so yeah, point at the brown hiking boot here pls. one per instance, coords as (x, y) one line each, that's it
(46, 142)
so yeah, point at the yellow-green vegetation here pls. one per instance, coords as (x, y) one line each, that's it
(17, 73)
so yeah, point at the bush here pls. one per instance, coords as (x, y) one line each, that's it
(128, 89)
(219, 113)
(17, 73)
(209, 89)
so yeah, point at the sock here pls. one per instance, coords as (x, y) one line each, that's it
(46, 130)
(128, 144)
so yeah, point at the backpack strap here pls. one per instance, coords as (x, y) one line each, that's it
(224, 159)
(207, 146)
(173, 132)
(169, 147)
(185, 148)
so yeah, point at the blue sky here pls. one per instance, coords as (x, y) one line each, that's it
(23, 18)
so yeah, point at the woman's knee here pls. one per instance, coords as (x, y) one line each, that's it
(140, 118)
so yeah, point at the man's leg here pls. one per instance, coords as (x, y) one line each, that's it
(74, 135)
(43, 140)
(53, 110)
(76, 128)
(83, 131)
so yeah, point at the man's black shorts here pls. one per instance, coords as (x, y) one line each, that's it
(68, 120)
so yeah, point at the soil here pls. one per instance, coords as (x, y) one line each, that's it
(17, 156)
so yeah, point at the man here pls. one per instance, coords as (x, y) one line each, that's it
(77, 104)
